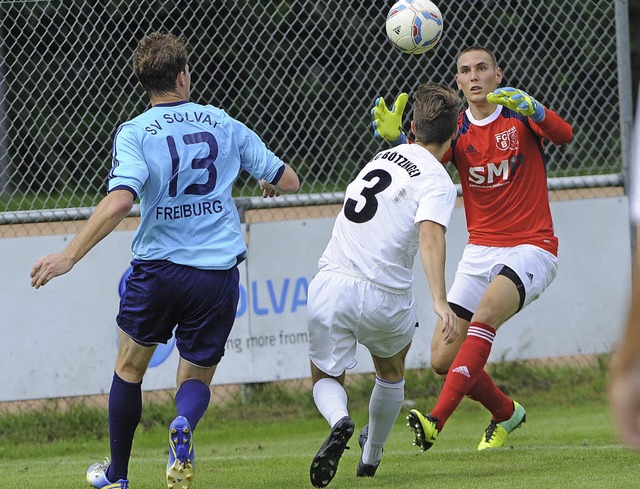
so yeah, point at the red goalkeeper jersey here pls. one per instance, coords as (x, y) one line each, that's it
(503, 173)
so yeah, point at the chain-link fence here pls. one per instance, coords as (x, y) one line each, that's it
(302, 73)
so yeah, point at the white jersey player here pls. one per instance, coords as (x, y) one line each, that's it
(399, 203)
(376, 234)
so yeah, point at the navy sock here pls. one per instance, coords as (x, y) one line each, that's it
(192, 400)
(125, 411)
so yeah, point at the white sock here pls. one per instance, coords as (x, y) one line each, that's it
(384, 407)
(331, 400)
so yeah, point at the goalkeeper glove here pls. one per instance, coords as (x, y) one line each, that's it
(519, 101)
(387, 124)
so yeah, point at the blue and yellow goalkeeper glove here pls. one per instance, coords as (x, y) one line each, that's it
(519, 101)
(387, 124)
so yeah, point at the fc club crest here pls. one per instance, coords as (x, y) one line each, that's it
(507, 140)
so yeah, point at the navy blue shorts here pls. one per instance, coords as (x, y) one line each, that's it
(202, 303)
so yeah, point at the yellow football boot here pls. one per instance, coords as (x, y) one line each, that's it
(496, 433)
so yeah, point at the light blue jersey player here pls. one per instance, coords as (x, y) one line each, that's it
(181, 160)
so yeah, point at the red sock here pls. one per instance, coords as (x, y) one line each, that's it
(487, 393)
(465, 370)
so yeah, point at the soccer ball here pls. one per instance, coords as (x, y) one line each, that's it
(414, 26)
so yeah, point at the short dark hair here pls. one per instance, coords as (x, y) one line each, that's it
(157, 60)
(479, 48)
(435, 113)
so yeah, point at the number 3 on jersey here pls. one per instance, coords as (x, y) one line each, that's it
(197, 164)
(370, 207)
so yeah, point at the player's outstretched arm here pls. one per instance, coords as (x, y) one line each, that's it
(110, 211)
(519, 101)
(288, 182)
(433, 253)
(387, 124)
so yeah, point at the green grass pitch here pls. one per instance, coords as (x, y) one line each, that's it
(567, 445)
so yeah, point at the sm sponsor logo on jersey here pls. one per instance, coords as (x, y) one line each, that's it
(507, 140)
(494, 174)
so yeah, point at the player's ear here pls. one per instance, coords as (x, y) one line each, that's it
(181, 80)
(498, 75)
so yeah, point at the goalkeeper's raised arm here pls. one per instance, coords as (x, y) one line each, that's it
(552, 126)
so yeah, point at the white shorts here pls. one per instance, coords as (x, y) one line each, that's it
(479, 265)
(345, 309)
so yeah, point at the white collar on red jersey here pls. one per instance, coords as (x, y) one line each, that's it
(486, 120)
